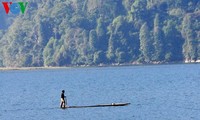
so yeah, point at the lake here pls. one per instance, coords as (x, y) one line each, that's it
(156, 92)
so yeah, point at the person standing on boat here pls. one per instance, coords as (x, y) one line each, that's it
(62, 102)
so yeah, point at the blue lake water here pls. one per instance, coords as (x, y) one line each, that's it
(158, 92)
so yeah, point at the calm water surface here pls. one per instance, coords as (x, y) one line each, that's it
(159, 92)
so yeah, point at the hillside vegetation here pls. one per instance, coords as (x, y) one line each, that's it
(93, 32)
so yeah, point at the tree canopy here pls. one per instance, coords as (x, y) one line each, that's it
(93, 32)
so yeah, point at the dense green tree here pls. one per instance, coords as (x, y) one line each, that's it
(49, 53)
(93, 40)
(45, 32)
(139, 12)
(173, 42)
(111, 49)
(120, 36)
(145, 43)
(158, 40)
(99, 57)
(190, 45)
(101, 33)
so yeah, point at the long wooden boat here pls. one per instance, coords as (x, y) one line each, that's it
(101, 105)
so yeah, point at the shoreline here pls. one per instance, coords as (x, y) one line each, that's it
(87, 66)
(29, 68)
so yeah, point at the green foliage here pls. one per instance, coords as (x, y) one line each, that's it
(190, 45)
(101, 34)
(49, 53)
(93, 40)
(173, 40)
(146, 47)
(99, 57)
(158, 40)
(92, 32)
(138, 13)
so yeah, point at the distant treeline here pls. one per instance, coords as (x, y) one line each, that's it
(93, 32)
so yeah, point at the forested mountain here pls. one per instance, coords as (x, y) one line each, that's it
(91, 32)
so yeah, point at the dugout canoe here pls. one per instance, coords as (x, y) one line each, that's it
(101, 105)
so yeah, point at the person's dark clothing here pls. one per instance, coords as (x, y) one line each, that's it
(62, 95)
(62, 103)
